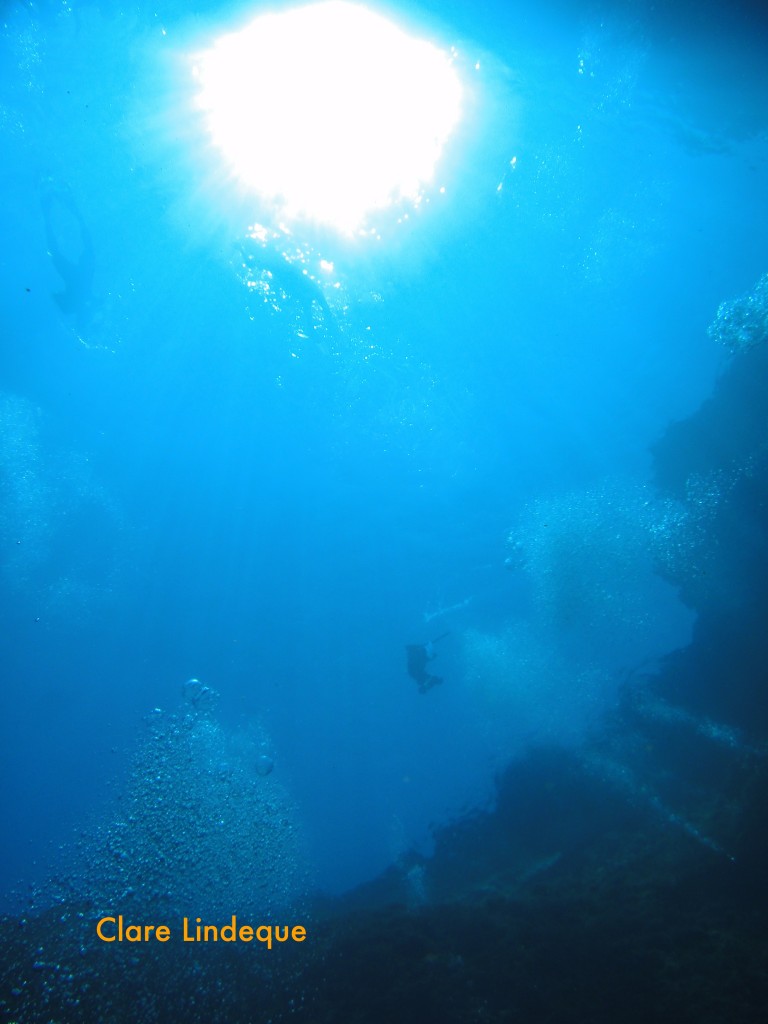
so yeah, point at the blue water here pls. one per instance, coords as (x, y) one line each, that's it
(196, 484)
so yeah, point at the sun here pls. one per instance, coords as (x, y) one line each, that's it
(330, 110)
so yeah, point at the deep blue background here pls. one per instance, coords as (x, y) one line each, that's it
(276, 515)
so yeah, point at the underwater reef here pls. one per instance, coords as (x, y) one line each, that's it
(567, 903)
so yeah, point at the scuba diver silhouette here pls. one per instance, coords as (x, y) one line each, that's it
(418, 656)
(71, 250)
